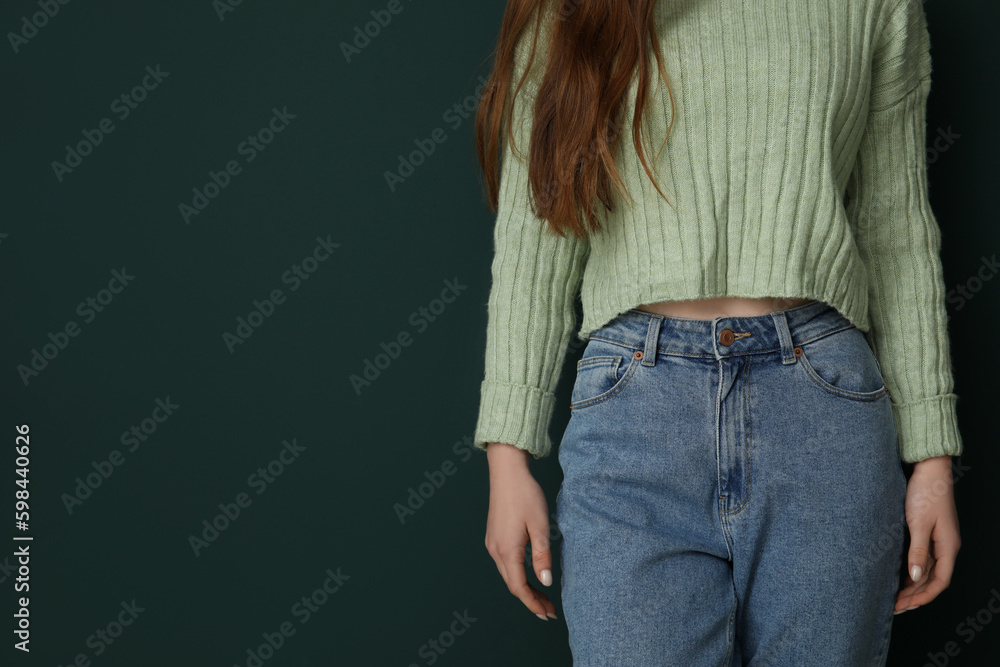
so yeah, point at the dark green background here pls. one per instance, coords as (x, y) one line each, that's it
(323, 176)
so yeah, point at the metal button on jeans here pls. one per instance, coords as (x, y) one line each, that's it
(726, 337)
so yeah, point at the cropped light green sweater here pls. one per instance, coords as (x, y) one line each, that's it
(797, 168)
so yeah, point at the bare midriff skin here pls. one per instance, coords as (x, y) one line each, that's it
(726, 306)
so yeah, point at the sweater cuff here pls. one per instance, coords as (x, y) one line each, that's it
(928, 428)
(515, 414)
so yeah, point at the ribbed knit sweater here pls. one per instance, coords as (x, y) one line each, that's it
(796, 167)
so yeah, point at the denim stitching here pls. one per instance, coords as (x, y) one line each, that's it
(837, 391)
(803, 341)
(747, 456)
(615, 390)
(731, 631)
(597, 361)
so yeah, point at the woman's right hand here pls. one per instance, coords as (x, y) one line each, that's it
(518, 514)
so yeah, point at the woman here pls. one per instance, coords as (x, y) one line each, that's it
(766, 340)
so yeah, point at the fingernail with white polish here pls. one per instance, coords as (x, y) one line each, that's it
(915, 573)
(544, 618)
(546, 577)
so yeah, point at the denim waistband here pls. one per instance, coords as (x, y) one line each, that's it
(722, 337)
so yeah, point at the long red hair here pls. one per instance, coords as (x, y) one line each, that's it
(592, 49)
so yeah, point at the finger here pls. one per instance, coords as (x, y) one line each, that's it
(940, 575)
(541, 556)
(910, 586)
(542, 599)
(917, 556)
(517, 581)
(541, 560)
(927, 591)
(905, 601)
(905, 595)
(550, 609)
(502, 568)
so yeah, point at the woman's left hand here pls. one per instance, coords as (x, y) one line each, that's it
(934, 535)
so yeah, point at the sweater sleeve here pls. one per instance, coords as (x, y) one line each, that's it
(531, 315)
(899, 241)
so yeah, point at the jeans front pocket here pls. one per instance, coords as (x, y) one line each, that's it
(602, 373)
(842, 363)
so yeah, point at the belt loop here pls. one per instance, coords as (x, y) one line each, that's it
(784, 336)
(652, 341)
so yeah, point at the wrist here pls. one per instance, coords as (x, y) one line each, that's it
(935, 467)
(502, 456)
(933, 461)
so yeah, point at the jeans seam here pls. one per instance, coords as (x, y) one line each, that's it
(731, 630)
(747, 454)
(883, 652)
(630, 372)
(836, 329)
(837, 391)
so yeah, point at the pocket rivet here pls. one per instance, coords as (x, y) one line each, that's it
(638, 354)
(798, 352)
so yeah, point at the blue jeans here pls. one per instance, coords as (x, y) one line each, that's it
(732, 494)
